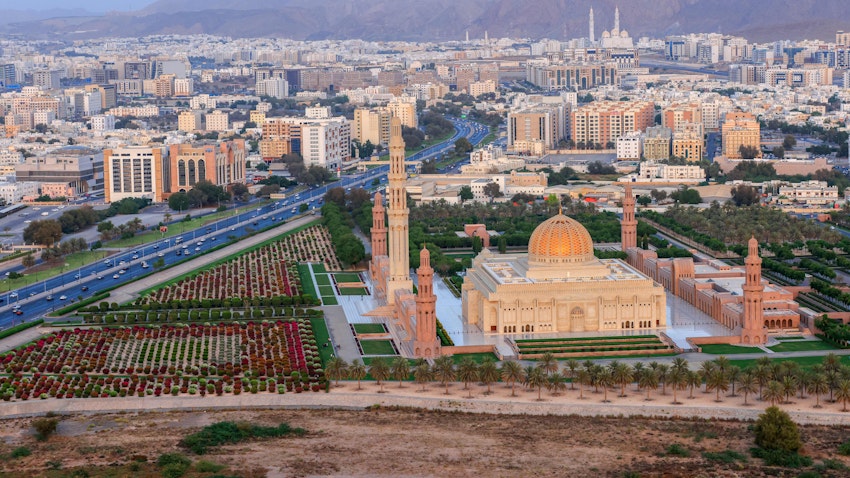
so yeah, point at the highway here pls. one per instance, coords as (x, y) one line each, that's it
(127, 265)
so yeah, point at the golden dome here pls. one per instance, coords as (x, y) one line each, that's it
(560, 240)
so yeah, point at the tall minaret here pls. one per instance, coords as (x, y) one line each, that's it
(426, 344)
(397, 213)
(616, 20)
(592, 34)
(752, 329)
(628, 226)
(379, 227)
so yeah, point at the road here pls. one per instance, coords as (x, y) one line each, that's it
(675, 66)
(127, 265)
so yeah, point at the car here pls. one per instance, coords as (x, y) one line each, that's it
(13, 295)
(36, 209)
(55, 209)
(116, 276)
(179, 253)
(122, 271)
(160, 254)
(27, 221)
(187, 252)
(212, 239)
(199, 243)
(197, 249)
(32, 294)
(122, 263)
(232, 228)
(107, 262)
(77, 275)
(84, 288)
(293, 209)
(185, 246)
(62, 297)
(100, 277)
(49, 298)
(18, 312)
(156, 246)
(45, 213)
(135, 257)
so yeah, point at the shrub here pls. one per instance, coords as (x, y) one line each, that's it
(208, 467)
(44, 427)
(174, 470)
(167, 459)
(726, 456)
(775, 430)
(781, 458)
(21, 452)
(229, 432)
(678, 450)
(844, 448)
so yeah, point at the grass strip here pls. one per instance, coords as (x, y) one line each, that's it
(19, 328)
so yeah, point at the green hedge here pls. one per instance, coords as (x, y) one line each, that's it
(70, 308)
(18, 328)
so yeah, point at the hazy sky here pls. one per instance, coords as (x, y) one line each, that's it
(91, 5)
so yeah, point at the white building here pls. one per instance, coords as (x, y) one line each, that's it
(9, 158)
(203, 102)
(133, 171)
(184, 87)
(103, 123)
(630, 146)
(14, 192)
(273, 87)
(326, 142)
(661, 173)
(814, 193)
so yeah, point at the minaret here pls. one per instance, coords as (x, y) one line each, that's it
(379, 227)
(616, 20)
(752, 329)
(397, 214)
(592, 34)
(628, 226)
(426, 344)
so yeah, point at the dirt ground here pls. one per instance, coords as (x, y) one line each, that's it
(385, 442)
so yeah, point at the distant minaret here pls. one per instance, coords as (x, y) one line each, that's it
(592, 34)
(628, 227)
(616, 19)
(486, 37)
(398, 213)
(467, 36)
(752, 328)
(426, 344)
(379, 227)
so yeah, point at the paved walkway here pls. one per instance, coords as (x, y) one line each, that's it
(14, 341)
(341, 337)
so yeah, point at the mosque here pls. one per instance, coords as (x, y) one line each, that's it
(615, 38)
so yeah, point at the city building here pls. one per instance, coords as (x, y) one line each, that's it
(688, 142)
(273, 87)
(78, 167)
(217, 121)
(740, 130)
(405, 110)
(189, 121)
(102, 123)
(602, 122)
(541, 124)
(630, 147)
(371, 125)
(810, 193)
(134, 172)
(219, 163)
(657, 143)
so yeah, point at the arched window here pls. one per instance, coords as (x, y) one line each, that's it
(181, 172)
(192, 172)
(202, 170)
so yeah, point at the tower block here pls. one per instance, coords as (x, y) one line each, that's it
(426, 344)
(753, 330)
(628, 227)
(398, 216)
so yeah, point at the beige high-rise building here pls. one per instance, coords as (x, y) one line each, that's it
(688, 142)
(134, 172)
(656, 143)
(371, 125)
(480, 87)
(258, 118)
(217, 121)
(221, 164)
(602, 122)
(538, 125)
(675, 116)
(405, 110)
(740, 129)
(277, 138)
(842, 38)
(189, 121)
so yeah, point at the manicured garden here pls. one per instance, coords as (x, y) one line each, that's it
(727, 349)
(269, 356)
(577, 346)
(370, 328)
(377, 347)
(801, 346)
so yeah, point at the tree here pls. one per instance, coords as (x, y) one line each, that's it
(488, 373)
(462, 146)
(400, 370)
(842, 393)
(512, 373)
(557, 383)
(422, 374)
(357, 371)
(773, 392)
(644, 200)
(380, 371)
(336, 369)
(444, 370)
(789, 142)
(678, 380)
(262, 166)
(44, 427)
(686, 195)
(465, 193)
(604, 379)
(745, 195)
(179, 201)
(818, 386)
(45, 233)
(747, 384)
(239, 190)
(775, 430)
(658, 194)
(467, 371)
(778, 151)
(648, 381)
(596, 167)
(28, 261)
(536, 378)
(492, 190)
(622, 375)
(749, 152)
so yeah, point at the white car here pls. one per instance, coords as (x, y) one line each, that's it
(45, 213)
(62, 297)
(116, 276)
(160, 255)
(13, 295)
(135, 257)
(197, 249)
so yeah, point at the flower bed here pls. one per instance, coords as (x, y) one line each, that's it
(269, 356)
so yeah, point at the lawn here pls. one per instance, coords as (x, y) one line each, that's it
(377, 347)
(326, 290)
(320, 331)
(319, 268)
(805, 362)
(347, 277)
(799, 346)
(726, 349)
(477, 358)
(604, 338)
(75, 260)
(369, 328)
(329, 300)
(307, 280)
(322, 279)
(353, 291)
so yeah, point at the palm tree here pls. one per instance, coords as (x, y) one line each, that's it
(694, 381)
(557, 383)
(400, 370)
(422, 374)
(789, 387)
(773, 392)
(722, 363)
(572, 365)
(512, 373)
(818, 386)
(762, 375)
(832, 377)
(804, 377)
(444, 370)
(716, 380)
(536, 378)
(621, 374)
(663, 371)
(733, 373)
(488, 373)
(678, 379)
(842, 393)
(548, 363)
(679, 364)
(705, 369)
(467, 371)
(747, 384)
(648, 381)
(595, 370)
(637, 371)
(831, 361)
(357, 371)
(336, 369)
(583, 378)
(380, 371)
(605, 380)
